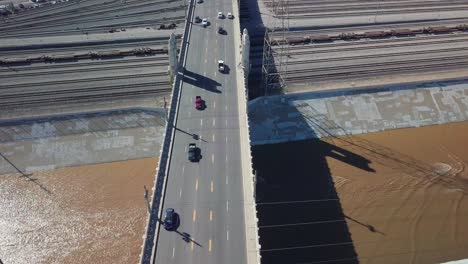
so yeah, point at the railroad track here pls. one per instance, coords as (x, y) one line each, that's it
(23, 70)
(85, 70)
(432, 39)
(84, 9)
(373, 13)
(110, 43)
(366, 1)
(107, 89)
(376, 7)
(93, 48)
(21, 102)
(315, 50)
(378, 56)
(374, 56)
(338, 30)
(79, 29)
(82, 18)
(3, 88)
(374, 70)
(44, 31)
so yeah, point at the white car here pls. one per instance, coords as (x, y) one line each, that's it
(204, 22)
(221, 66)
(220, 15)
(230, 16)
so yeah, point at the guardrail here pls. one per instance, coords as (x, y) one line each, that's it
(148, 252)
(248, 179)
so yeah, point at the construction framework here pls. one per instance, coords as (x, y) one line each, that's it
(276, 48)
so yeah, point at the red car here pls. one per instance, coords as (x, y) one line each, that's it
(198, 103)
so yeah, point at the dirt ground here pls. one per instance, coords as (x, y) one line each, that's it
(86, 214)
(388, 197)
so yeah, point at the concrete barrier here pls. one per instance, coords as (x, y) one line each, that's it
(248, 179)
(148, 252)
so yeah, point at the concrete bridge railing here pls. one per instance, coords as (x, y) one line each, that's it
(248, 177)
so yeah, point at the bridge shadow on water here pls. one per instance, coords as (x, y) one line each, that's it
(300, 215)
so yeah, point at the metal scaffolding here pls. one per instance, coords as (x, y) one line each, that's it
(276, 48)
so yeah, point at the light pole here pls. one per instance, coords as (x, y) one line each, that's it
(166, 117)
(146, 199)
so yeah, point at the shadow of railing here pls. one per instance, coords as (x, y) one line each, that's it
(28, 176)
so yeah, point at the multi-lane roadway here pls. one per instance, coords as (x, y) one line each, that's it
(207, 194)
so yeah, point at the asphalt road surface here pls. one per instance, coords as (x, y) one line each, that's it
(207, 195)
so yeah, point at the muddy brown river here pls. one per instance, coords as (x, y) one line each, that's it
(412, 207)
(402, 195)
(85, 214)
(380, 198)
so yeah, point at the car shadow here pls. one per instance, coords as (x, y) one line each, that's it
(201, 81)
(227, 70)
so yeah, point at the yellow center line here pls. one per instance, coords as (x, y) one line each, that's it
(209, 245)
(192, 245)
(212, 158)
(211, 186)
(194, 215)
(196, 184)
(211, 216)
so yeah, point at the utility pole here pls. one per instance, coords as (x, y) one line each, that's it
(166, 117)
(146, 199)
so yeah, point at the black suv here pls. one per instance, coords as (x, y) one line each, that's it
(221, 31)
(170, 219)
(193, 153)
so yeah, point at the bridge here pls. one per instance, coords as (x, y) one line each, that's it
(214, 198)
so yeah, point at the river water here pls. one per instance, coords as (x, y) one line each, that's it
(84, 214)
(412, 205)
(396, 196)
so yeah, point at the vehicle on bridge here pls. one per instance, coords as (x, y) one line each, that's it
(229, 15)
(193, 153)
(204, 22)
(199, 1)
(221, 31)
(170, 219)
(199, 103)
(220, 15)
(221, 66)
(197, 19)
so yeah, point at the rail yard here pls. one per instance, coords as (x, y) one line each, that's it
(87, 51)
(349, 44)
